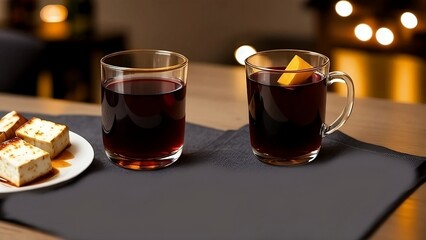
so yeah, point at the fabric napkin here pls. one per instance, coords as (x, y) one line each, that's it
(219, 190)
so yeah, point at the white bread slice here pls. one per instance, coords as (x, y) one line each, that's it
(50, 136)
(21, 162)
(9, 123)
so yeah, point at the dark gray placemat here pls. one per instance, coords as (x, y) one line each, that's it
(218, 190)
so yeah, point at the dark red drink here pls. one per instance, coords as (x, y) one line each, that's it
(143, 121)
(285, 121)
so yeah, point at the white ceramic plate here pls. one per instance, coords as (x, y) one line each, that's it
(78, 157)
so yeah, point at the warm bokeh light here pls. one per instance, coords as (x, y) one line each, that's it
(384, 36)
(406, 80)
(343, 8)
(53, 13)
(363, 32)
(243, 52)
(398, 77)
(409, 20)
(356, 64)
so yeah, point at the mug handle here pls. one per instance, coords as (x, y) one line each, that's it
(340, 77)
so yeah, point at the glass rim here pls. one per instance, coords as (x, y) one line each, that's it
(142, 69)
(272, 69)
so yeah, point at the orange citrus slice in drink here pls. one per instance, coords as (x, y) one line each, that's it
(297, 63)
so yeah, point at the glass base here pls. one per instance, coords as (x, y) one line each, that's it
(282, 161)
(144, 164)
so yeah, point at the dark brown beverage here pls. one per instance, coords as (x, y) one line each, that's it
(285, 121)
(144, 120)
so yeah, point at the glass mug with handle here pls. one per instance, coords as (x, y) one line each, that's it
(287, 93)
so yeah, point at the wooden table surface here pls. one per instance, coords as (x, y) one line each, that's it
(216, 98)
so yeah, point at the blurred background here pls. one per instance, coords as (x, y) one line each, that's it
(57, 44)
